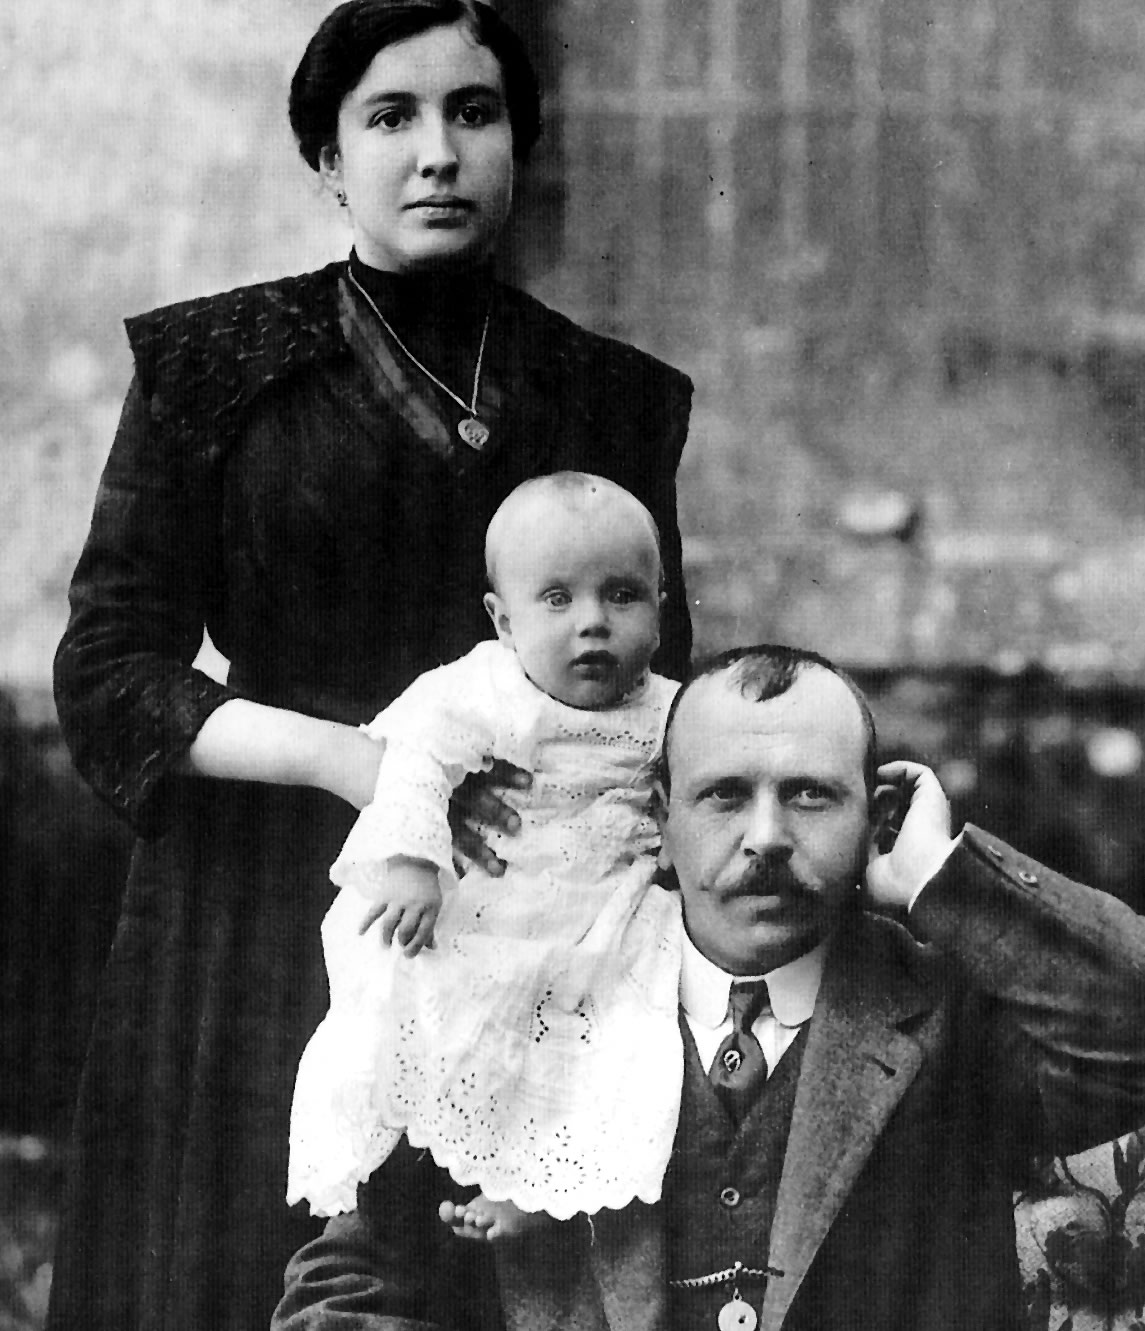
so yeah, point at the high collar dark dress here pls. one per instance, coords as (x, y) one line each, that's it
(283, 476)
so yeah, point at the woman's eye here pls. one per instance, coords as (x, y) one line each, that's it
(391, 118)
(474, 114)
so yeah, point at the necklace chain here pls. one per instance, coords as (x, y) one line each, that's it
(470, 407)
(724, 1277)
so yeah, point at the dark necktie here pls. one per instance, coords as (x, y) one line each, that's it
(740, 1068)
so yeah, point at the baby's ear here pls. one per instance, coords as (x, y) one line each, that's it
(495, 608)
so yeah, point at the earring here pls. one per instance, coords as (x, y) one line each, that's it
(340, 195)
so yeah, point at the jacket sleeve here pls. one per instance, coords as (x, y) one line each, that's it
(392, 1265)
(1064, 967)
(129, 702)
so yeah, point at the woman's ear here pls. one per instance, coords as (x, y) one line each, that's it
(330, 169)
(495, 608)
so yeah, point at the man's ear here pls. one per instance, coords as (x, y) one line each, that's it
(884, 818)
(495, 608)
(659, 810)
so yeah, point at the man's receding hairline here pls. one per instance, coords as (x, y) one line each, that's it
(735, 674)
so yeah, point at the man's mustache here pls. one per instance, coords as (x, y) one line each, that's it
(769, 879)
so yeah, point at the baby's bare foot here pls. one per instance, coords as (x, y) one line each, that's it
(494, 1222)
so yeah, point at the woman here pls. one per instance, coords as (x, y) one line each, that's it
(306, 469)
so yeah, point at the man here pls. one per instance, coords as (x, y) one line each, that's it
(851, 1128)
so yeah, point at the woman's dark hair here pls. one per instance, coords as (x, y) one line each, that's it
(350, 36)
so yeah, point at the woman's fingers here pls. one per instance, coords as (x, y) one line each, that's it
(470, 849)
(478, 800)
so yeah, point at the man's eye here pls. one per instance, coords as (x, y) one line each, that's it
(723, 793)
(811, 796)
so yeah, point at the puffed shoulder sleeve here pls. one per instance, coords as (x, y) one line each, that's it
(129, 701)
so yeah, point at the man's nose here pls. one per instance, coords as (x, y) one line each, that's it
(436, 151)
(767, 834)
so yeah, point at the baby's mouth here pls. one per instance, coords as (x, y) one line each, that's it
(594, 663)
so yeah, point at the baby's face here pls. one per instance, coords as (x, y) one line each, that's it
(579, 601)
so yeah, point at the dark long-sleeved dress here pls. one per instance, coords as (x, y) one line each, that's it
(285, 477)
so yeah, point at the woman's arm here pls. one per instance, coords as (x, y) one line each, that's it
(247, 741)
(132, 706)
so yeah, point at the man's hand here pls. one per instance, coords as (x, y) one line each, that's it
(476, 806)
(408, 902)
(922, 840)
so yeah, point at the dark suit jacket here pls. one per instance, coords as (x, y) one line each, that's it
(1009, 1020)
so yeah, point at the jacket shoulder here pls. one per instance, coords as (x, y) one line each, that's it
(604, 388)
(201, 363)
(284, 320)
(581, 348)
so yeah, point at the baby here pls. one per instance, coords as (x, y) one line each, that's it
(526, 1031)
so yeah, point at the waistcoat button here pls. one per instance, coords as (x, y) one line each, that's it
(730, 1197)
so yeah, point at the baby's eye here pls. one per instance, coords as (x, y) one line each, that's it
(556, 598)
(623, 595)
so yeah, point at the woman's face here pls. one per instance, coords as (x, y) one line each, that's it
(425, 153)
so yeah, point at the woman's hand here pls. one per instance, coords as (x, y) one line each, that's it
(477, 806)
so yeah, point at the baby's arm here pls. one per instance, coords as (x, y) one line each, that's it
(448, 723)
(407, 900)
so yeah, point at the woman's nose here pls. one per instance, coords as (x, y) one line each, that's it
(436, 153)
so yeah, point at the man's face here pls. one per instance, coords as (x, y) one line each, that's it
(767, 825)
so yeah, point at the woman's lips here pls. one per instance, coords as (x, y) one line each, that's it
(442, 204)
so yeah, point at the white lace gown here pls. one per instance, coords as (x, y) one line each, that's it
(536, 1049)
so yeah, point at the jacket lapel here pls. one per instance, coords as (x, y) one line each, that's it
(856, 1068)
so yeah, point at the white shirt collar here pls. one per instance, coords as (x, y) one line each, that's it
(793, 988)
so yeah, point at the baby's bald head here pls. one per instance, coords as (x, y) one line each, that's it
(563, 497)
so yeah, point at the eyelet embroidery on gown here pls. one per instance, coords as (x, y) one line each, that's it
(535, 1051)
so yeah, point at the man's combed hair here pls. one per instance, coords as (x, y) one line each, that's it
(765, 671)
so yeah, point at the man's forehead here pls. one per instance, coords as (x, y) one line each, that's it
(817, 719)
